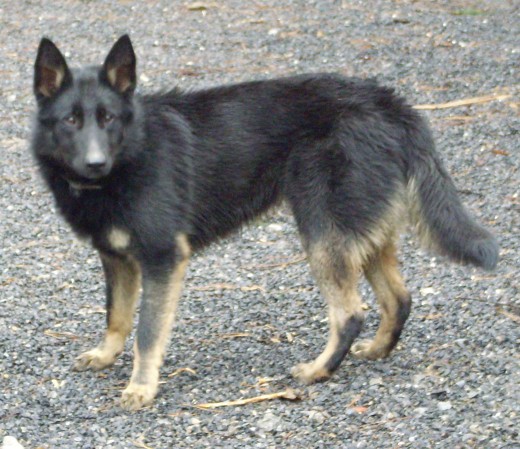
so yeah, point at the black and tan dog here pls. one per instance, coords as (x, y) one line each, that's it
(152, 178)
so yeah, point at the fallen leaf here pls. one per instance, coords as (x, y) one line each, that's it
(201, 6)
(182, 370)
(432, 316)
(54, 334)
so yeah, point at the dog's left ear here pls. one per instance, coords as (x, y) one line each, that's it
(119, 67)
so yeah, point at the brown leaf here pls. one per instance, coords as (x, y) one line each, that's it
(54, 334)
(201, 6)
(182, 370)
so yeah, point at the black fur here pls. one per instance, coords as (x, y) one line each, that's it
(201, 164)
(346, 335)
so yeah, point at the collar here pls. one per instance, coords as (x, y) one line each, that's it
(77, 187)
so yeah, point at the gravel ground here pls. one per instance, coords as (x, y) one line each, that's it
(251, 309)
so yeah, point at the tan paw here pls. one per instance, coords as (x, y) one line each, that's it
(95, 359)
(366, 349)
(136, 396)
(308, 373)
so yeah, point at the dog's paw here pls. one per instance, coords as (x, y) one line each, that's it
(366, 349)
(308, 373)
(95, 359)
(137, 396)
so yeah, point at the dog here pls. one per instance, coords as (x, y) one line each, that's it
(151, 179)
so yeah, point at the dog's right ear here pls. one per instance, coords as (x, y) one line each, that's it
(50, 70)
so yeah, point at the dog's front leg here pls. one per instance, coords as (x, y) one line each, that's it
(123, 281)
(161, 290)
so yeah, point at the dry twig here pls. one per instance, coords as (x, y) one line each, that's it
(463, 102)
(297, 259)
(211, 287)
(511, 316)
(288, 394)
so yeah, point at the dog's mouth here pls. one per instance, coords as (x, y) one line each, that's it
(79, 182)
(84, 178)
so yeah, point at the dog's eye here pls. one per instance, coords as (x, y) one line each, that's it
(71, 119)
(108, 117)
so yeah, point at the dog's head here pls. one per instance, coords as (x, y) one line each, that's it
(83, 113)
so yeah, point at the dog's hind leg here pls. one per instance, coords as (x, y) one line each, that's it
(123, 281)
(394, 301)
(337, 276)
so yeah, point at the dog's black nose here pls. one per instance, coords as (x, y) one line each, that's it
(96, 160)
(96, 164)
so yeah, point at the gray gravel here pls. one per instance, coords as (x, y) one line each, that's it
(251, 309)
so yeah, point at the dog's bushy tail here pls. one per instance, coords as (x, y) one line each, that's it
(441, 220)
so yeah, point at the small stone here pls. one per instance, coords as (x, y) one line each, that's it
(11, 443)
(269, 422)
(444, 405)
(275, 227)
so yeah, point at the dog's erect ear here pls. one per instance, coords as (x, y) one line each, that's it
(119, 66)
(50, 70)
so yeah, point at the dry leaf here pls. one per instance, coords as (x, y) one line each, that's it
(432, 316)
(182, 370)
(201, 6)
(54, 334)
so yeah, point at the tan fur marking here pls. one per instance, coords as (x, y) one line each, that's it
(383, 274)
(112, 76)
(119, 239)
(51, 80)
(116, 77)
(416, 218)
(361, 248)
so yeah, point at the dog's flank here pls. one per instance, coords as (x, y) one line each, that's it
(152, 178)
